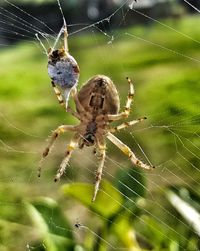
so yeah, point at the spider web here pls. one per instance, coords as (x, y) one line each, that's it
(169, 139)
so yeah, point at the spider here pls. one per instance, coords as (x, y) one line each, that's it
(97, 105)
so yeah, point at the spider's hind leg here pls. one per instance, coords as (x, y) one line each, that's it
(126, 150)
(101, 151)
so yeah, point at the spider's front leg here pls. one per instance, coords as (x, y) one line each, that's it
(126, 124)
(101, 151)
(127, 108)
(126, 150)
(54, 136)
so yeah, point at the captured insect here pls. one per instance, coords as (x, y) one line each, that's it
(97, 105)
(62, 67)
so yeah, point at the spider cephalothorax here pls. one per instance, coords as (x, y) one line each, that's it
(97, 105)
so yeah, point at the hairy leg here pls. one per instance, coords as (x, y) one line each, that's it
(127, 108)
(55, 134)
(126, 150)
(101, 151)
(79, 106)
(62, 102)
(58, 94)
(126, 124)
(65, 32)
(70, 148)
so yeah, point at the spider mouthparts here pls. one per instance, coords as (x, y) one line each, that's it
(56, 179)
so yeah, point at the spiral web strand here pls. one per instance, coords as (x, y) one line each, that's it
(183, 134)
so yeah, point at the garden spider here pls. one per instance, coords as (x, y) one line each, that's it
(97, 105)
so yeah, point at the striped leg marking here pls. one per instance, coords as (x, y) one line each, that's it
(126, 150)
(58, 94)
(70, 148)
(54, 136)
(126, 124)
(127, 108)
(102, 155)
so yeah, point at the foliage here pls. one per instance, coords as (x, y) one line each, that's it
(167, 93)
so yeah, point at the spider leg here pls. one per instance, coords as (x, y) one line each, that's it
(57, 38)
(127, 108)
(55, 134)
(62, 102)
(65, 31)
(70, 148)
(58, 94)
(75, 114)
(79, 106)
(101, 155)
(126, 150)
(126, 124)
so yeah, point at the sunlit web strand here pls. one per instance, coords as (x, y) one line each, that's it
(193, 118)
(15, 26)
(133, 137)
(136, 216)
(195, 8)
(18, 129)
(163, 47)
(122, 183)
(23, 11)
(140, 219)
(82, 226)
(8, 148)
(166, 26)
(185, 173)
(149, 192)
(177, 177)
(185, 146)
(180, 136)
(12, 38)
(165, 168)
(16, 33)
(171, 171)
(100, 21)
(21, 21)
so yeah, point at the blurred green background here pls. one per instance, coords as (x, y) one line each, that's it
(144, 210)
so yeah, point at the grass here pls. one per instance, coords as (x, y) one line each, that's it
(167, 92)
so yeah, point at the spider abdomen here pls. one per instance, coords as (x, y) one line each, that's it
(99, 96)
